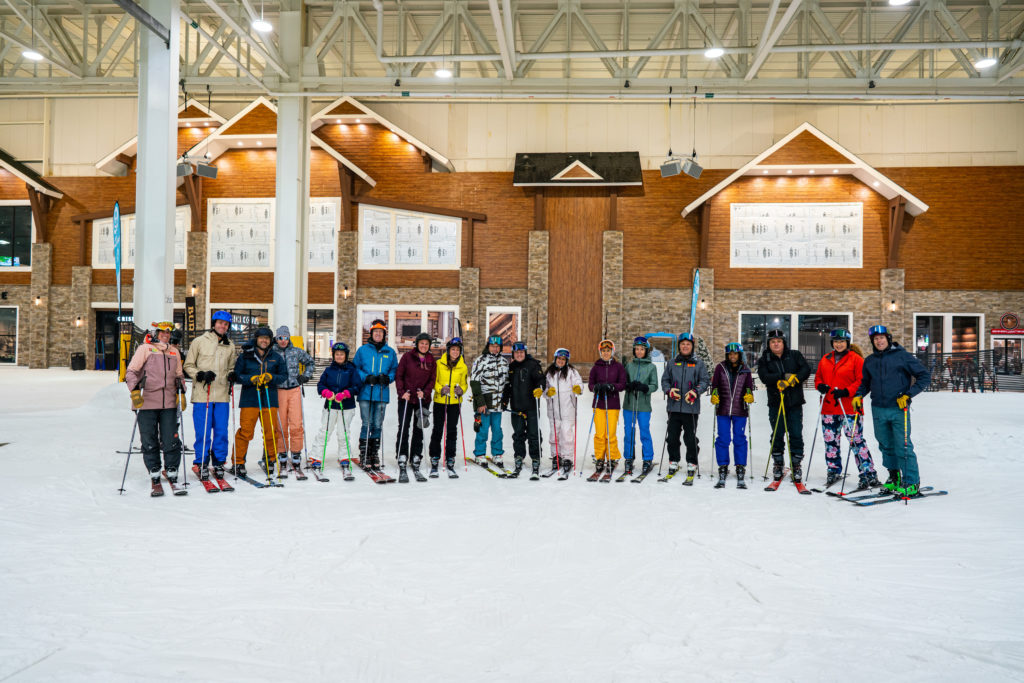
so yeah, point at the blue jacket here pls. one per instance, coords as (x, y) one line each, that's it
(250, 363)
(887, 374)
(337, 378)
(370, 360)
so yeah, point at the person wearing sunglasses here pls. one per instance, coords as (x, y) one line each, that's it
(837, 377)
(892, 376)
(783, 371)
(289, 397)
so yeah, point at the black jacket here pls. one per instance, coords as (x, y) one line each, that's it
(523, 378)
(771, 368)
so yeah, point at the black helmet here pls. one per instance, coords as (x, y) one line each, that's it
(263, 331)
(423, 335)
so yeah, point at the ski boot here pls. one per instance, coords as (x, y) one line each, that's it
(237, 470)
(449, 466)
(172, 474)
(518, 467)
(598, 469)
(535, 469)
(296, 461)
(646, 467)
(777, 470)
(433, 467)
(566, 468)
(609, 470)
(373, 454)
(691, 472)
(267, 465)
(892, 482)
(555, 466)
(204, 472)
(157, 488)
(741, 477)
(673, 468)
(362, 453)
(629, 467)
(218, 470)
(912, 491)
(832, 478)
(723, 474)
(403, 476)
(869, 481)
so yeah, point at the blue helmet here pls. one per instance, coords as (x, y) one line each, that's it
(734, 347)
(222, 315)
(875, 330)
(840, 334)
(519, 346)
(641, 341)
(494, 339)
(685, 336)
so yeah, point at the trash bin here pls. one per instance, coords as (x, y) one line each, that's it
(78, 361)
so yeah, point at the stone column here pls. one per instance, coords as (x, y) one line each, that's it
(704, 320)
(83, 336)
(611, 291)
(345, 315)
(469, 311)
(535, 317)
(892, 280)
(39, 318)
(195, 273)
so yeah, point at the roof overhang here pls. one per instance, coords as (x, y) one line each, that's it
(854, 166)
(29, 176)
(577, 169)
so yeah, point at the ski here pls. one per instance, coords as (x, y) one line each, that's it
(507, 471)
(210, 486)
(826, 488)
(224, 485)
(157, 490)
(801, 488)
(377, 476)
(174, 487)
(897, 499)
(535, 476)
(774, 486)
(596, 475)
(346, 468)
(317, 472)
(845, 494)
(640, 477)
(299, 474)
(564, 475)
(671, 473)
(419, 475)
(552, 473)
(606, 476)
(482, 463)
(872, 496)
(689, 479)
(258, 484)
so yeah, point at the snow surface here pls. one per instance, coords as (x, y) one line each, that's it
(484, 579)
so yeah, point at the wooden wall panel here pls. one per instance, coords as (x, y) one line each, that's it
(21, 278)
(575, 221)
(409, 278)
(107, 276)
(242, 288)
(805, 148)
(321, 288)
(260, 120)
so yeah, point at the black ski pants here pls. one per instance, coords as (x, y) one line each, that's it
(446, 422)
(158, 430)
(793, 426)
(687, 423)
(525, 430)
(407, 411)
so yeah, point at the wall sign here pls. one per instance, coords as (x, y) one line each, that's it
(240, 232)
(103, 239)
(392, 238)
(802, 235)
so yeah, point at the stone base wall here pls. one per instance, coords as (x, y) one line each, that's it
(612, 302)
(469, 311)
(535, 315)
(20, 296)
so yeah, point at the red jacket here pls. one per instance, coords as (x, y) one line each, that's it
(844, 374)
(415, 373)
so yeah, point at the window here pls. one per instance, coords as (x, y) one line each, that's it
(15, 235)
(405, 322)
(319, 332)
(103, 239)
(393, 239)
(948, 332)
(244, 322)
(505, 322)
(1006, 355)
(8, 336)
(812, 338)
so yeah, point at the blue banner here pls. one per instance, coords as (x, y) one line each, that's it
(693, 299)
(117, 251)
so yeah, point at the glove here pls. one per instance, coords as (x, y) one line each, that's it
(748, 397)
(504, 406)
(674, 393)
(232, 377)
(343, 395)
(458, 391)
(327, 394)
(577, 389)
(858, 404)
(265, 379)
(476, 424)
(383, 380)
(302, 379)
(609, 389)
(643, 388)
(551, 391)
(714, 398)
(200, 377)
(444, 391)
(255, 379)
(838, 393)
(137, 399)
(792, 380)
(691, 396)
(598, 390)
(181, 401)
(211, 376)
(822, 388)
(537, 392)
(782, 385)
(903, 401)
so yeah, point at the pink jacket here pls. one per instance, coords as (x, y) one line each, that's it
(156, 369)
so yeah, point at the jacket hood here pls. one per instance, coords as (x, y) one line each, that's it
(857, 350)
(601, 361)
(443, 360)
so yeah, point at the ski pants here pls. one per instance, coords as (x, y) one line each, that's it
(289, 409)
(563, 435)
(247, 421)
(158, 430)
(371, 415)
(490, 421)
(446, 424)
(211, 418)
(792, 426)
(647, 445)
(731, 428)
(606, 436)
(525, 429)
(407, 421)
(329, 420)
(687, 423)
(894, 442)
(832, 428)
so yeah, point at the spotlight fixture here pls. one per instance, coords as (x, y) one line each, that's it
(78, 321)
(469, 326)
(443, 72)
(672, 166)
(32, 55)
(703, 305)
(398, 82)
(626, 84)
(206, 171)
(193, 289)
(871, 84)
(985, 62)
(261, 24)
(38, 301)
(714, 52)
(184, 169)
(345, 292)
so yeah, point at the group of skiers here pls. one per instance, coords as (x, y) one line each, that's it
(272, 371)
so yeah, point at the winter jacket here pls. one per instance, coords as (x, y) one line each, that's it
(371, 360)
(607, 372)
(562, 406)
(449, 377)
(294, 356)
(156, 369)
(523, 378)
(772, 368)
(336, 378)
(250, 363)
(685, 373)
(415, 373)
(839, 372)
(731, 383)
(889, 373)
(640, 370)
(209, 352)
(491, 371)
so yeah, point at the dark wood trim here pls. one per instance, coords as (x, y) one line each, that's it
(126, 160)
(423, 208)
(613, 210)
(897, 210)
(538, 209)
(193, 189)
(40, 210)
(467, 243)
(427, 162)
(345, 180)
(705, 233)
(107, 213)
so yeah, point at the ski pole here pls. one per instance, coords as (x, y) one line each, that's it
(327, 433)
(906, 412)
(206, 421)
(181, 433)
(607, 437)
(789, 439)
(131, 443)
(540, 441)
(771, 446)
(403, 423)
(714, 443)
(556, 420)
(846, 468)
(284, 436)
(344, 426)
(234, 466)
(273, 434)
(814, 439)
(750, 445)
(575, 422)
(263, 436)
(302, 417)
(462, 436)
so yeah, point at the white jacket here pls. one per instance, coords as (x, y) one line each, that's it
(563, 404)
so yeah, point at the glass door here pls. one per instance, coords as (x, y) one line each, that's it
(1007, 355)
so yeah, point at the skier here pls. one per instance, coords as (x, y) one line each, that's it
(289, 397)
(377, 364)
(338, 385)
(564, 385)
(642, 382)
(732, 390)
(450, 383)
(488, 380)
(683, 381)
(525, 385)
(414, 380)
(893, 376)
(154, 377)
(259, 369)
(838, 376)
(782, 370)
(607, 379)
(210, 361)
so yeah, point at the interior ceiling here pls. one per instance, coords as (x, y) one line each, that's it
(541, 48)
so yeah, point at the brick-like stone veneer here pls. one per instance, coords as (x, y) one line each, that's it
(611, 288)
(535, 315)
(195, 274)
(469, 310)
(38, 341)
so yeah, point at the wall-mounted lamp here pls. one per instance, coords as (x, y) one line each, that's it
(78, 321)
(38, 301)
(469, 327)
(345, 292)
(892, 305)
(703, 305)
(193, 289)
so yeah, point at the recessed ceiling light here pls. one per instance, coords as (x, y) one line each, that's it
(789, 171)
(985, 62)
(262, 25)
(876, 183)
(835, 170)
(765, 171)
(359, 120)
(714, 52)
(812, 170)
(338, 122)
(239, 143)
(259, 143)
(897, 3)
(33, 55)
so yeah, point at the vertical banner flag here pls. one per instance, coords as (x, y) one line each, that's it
(693, 299)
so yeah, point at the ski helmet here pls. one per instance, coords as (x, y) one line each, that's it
(641, 341)
(378, 324)
(164, 326)
(339, 346)
(222, 315)
(685, 336)
(777, 333)
(562, 353)
(519, 346)
(606, 344)
(875, 330)
(423, 335)
(494, 339)
(734, 347)
(264, 331)
(840, 334)
(454, 341)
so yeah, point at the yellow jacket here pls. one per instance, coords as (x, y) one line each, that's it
(457, 377)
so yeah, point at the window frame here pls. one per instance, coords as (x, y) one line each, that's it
(32, 222)
(17, 334)
(392, 265)
(794, 322)
(947, 330)
(390, 310)
(516, 310)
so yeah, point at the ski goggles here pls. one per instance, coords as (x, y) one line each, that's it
(642, 341)
(494, 339)
(840, 334)
(734, 347)
(685, 336)
(339, 346)
(519, 346)
(776, 333)
(562, 353)
(164, 326)
(877, 329)
(455, 341)
(606, 345)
